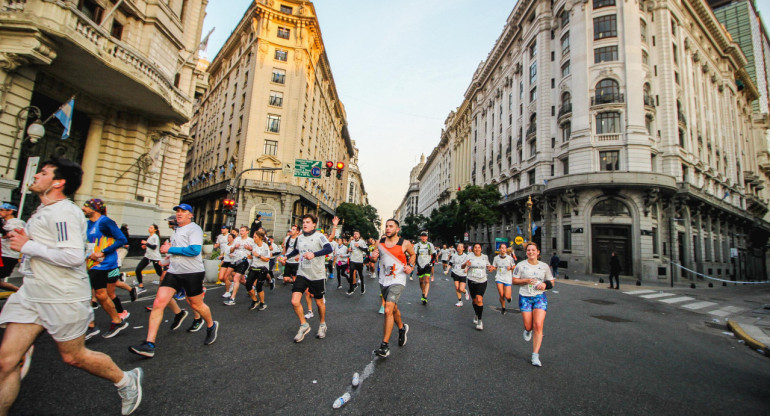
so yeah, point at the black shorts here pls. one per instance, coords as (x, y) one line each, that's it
(100, 278)
(8, 264)
(445, 262)
(258, 275)
(290, 269)
(357, 267)
(227, 265)
(192, 283)
(424, 271)
(457, 278)
(241, 266)
(476, 289)
(317, 288)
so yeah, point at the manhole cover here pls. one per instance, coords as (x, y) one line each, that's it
(599, 301)
(610, 318)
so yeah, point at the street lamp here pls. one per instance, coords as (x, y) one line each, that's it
(529, 218)
(34, 132)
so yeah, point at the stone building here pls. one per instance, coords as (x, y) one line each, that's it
(131, 69)
(409, 204)
(271, 99)
(356, 193)
(631, 127)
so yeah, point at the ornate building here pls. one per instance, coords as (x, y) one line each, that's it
(130, 68)
(271, 99)
(410, 202)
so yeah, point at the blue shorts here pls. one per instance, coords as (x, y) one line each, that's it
(527, 303)
(503, 283)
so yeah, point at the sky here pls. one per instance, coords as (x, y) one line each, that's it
(400, 67)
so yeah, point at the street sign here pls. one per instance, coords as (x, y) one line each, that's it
(287, 170)
(466, 237)
(518, 240)
(307, 168)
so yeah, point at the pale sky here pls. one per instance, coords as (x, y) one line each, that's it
(400, 67)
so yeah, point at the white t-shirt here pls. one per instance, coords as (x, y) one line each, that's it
(357, 250)
(9, 226)
(423, 251)
(241, 252)
(221, 240)
(264, 251)
(189, 235)
(226, 255)
(444, 254)
(315, 268)
(458, 260)
(503, 263)
(341, 254)
(330, 257)
(288, 246)
(540, 271)
(59, 225)
(477, 272)
(153, 253)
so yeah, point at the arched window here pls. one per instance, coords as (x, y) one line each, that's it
(611, 208)
(566, 98)
(647, 92)
(607, 91)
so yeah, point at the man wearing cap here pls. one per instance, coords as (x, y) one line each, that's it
(10, 256)
(426, 253)
(185, 271)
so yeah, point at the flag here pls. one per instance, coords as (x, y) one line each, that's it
(518, 230)
(534, 227)
(727, 193)
(64, 115)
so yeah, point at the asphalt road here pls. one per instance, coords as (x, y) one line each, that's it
(604, 352)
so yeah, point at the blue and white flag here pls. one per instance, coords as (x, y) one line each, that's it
(534, 227)
(64, 115)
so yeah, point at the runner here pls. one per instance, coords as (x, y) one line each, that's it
(240, 252)
(371, 264)
(425, 255)
(503, 264)
(444, 252)
(185, 271)
(331, 259)
(290, 269)
(218, 243)
(10, 257)
(55, 295)
(311, 245)
(358, 248)
(341, 256)
(226, 268)
(459, 273)
(392, 251)
(258, 272)
(152, 255)
(275, 251)
(535, 278)
(478, 265)
(104, 238)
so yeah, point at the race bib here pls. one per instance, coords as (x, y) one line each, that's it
(304, 262)
(24, 266)
(478, 273)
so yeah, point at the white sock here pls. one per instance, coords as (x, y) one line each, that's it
(123, 381)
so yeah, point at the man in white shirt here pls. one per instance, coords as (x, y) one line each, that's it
(10, 256)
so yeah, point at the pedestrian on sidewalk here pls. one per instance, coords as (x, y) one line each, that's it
(151, 248)
(554, 263)
(614, 270)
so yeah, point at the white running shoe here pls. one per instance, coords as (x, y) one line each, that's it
(527, 335)
(467, 295)
(475, 320)
(226, 295)
(480, 325)
(459, 303)
(309, 315)
(536, 360)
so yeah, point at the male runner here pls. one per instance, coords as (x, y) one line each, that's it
(258, 272)
(392, 252)
(290, 269)
(312, 246)
(240, 252)
(425, 255)
(275, 251)
(445, 253)
(184, 272)
(10, 256)
(358, 248)
(55, 295)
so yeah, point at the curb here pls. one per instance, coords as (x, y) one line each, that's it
(751, 342)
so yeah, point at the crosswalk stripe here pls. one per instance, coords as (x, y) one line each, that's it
(676, 300)
(639, 292)
(698, 305)
(727, 310)
(656, 295)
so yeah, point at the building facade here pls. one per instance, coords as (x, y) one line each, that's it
(271, 99)
(410, 203)
(130, 69)
(356, 193)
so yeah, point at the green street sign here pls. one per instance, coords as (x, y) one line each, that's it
(307, 168)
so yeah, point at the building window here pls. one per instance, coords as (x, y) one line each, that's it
(606, 54)
(531, 177)
(565, 69)
(533, 50)
(648, 123)
(267, 176)
(271, 147)
(283, 32)
(565, 166)
(286, 9)
(117, 30)
(564, 18)
(598, 4)
(605, 27)
(645, 57)
(643, 30)
(281, 55)
(532, 73)
(273, 123)
(532, 144)
(276, 98)
(675, 52)
(608, 122)
(566, 131)
(681, 138)
(92, 10)
(533, 94)
(279, 76)
(655, 241)
(609, 161)
(607, 91)
(565, 44)
(567, 236)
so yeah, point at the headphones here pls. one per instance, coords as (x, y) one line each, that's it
(59, 184)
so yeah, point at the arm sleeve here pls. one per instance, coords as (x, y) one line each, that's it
(110, 228)
(327, 249)
(189, 251)
(67, 256)
(151, 246)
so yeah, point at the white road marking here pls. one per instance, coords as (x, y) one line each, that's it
(656, 295)
(639, 292)
(676, 300)
(727, 310)
(698, 305)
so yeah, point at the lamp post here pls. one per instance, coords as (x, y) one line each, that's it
(34, 132)
(529, 218)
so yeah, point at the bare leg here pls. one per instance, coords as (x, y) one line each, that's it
(197, 304)
(162, 299)
(392, 315)
(106, 302)
(321, 309)
(537, 323)
(76, 354)
(16, 341)
(296, 303)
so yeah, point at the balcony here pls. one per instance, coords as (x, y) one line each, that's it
(607, 99)
(608, 137)
(649, 101)
(532, 129)
(564, 110)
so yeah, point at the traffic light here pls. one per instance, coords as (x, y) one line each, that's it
(329, 166)
(340, 168)
(228, 205)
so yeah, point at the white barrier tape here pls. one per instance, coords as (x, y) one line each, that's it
(715, 278)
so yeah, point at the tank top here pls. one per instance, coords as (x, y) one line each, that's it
(392, 262)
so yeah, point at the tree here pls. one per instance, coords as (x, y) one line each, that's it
(363, 218)
(443, 226)
(412, 226)
(478, 205)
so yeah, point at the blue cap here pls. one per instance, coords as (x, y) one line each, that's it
(9, 206)
(185, 207)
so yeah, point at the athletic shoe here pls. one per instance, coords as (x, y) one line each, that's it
(115, 329)
(211, 334)
(95, 305)
(527, 335)
(226, 295)
(475, 320)
(92, 332)
(363, 289)
(321, 332)
(339, 286)
(382, 310)
(124, 314)
(410, 277)
(272, 284)
(178, 318)
(148, 308)
(480, 325)
(144, 349)
(423, 300)
(140, 290)
(180, 296)
(459, 303)
(467, 295)
(303, 330)
(350, 291)
(309, 315)
(123, 277)
(229, 302)
(131, 395)
(197, 324)
(331, 276)
(536, 360)
(383, 351)
(402, 335)
(254, 305)
(26, 361)
(133, 293)
(262, 306)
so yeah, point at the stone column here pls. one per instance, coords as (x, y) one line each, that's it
(91, 157)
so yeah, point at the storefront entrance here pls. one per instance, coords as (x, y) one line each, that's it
(605, 240)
